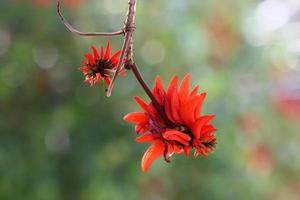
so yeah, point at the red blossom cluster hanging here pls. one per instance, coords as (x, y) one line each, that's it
(172, 122)
(180, 129)
(100, 65)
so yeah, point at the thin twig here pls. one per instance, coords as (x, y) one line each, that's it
(124, 49)
(73, 30)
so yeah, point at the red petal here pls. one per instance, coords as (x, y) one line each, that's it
(177, 148)
(188, 109)
(89, 80)
(98, 76)
(141, 128)
(198, 125)
(177, 136)
(90, 58)
(145, 138)
(141, 103)
(195, 91)
(171, 88)
(154, 114)
(158, 90)
(208, 129)
(107, 80)
(173, 101)
(187, 150)
(208, 138)
(136, 117)
(184, 88)
(115, 58)
(102, 52)
(170, 148)
(84, 69)
(107, 51)
(203, 150)
(199, 106)
(168, 111)
(172, 85)
(152, 153)
(95, 52)
(175, 105)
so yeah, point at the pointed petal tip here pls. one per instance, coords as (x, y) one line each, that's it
(183, 90)
(175, 76)
(175, 79)
(83, 69)
(107, 51)
(187, 150)
(90, 58)
(135, 117)
(95, 52)
(107, 81)
(115, 58)
(188, 75)
(152, 153)
(126, 117)
(98, 76)
(144, 170)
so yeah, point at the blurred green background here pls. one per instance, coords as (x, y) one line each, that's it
(61, 139)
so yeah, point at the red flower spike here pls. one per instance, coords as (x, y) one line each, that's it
(100, 65)
(188, 128)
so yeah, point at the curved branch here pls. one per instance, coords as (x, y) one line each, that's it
(73, 30)
(129, 29)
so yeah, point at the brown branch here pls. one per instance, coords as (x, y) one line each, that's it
(73, 30)
(129, 29)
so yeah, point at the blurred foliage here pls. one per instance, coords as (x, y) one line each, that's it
(60, 139)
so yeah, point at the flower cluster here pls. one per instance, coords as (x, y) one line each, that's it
(100, 65)
(180, 128)
(172, 122)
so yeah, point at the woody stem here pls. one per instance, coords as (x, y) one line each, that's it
(129, 28)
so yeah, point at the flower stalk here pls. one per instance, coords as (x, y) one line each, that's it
(129, 28)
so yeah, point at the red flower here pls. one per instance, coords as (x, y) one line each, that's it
(180, 129)
(100, 65)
